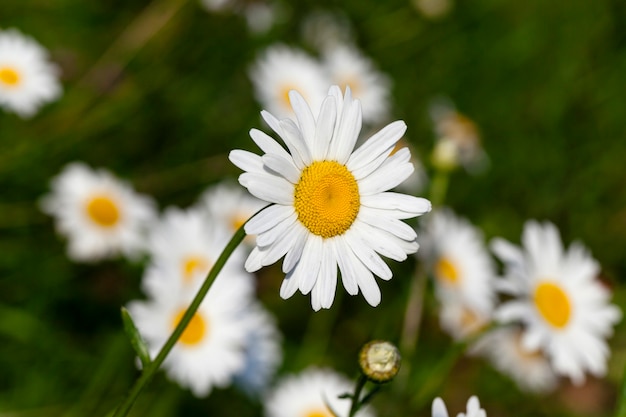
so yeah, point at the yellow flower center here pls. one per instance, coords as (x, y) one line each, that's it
(9, 76)
(103, 211)
(327, 198)
(445, 271)
(317, 413)
(193, 265)
(237, 220)
(195, 331)
(283, 95)
(553, 304)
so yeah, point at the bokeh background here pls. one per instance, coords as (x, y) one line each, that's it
(159, 93)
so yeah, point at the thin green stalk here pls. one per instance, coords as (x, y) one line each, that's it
(439, 187)
(150, 370)
(356, 398)
(621, 405)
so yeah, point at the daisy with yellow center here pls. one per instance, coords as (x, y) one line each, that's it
(330, 204)
(280, 69)
(183, 246)
(310, 393)
(456, 257)
(212, 348)
(100, 215)
(557, 296)
(27, 78)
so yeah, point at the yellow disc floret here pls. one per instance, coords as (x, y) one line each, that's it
(317, 413)
(193, 265)
(195, 331)
(445, 271)
(103, 211)
(327, 198)
(9, 76)
(553, 304)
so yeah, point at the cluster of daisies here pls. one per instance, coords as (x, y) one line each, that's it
(556, 314)
(231, 338)
(27, 77)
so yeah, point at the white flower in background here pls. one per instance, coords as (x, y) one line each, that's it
(310, 394)
(531, 371)
(27, 78)
(434, 9)
(455, 255)
(281, 69)
(100, 215)
(473, 408)
(263, 352)
(211, 350)
(183, 247)
(557, 296)
(458, 139)
(260, 15)
(347, 66)
(230, 205)
(330, 204)
(461, 321)
(323, 29)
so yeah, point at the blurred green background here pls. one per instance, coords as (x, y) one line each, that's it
(159, 93)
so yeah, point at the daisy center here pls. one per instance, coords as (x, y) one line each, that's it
(446, 271)
(327, 198)
(553, 304)
(9, 76)
(193, 265)
(283, 95)
(195, 331)
(237, 220)
(317, 413)
(103, 211)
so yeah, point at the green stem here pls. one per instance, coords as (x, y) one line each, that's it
(150, 370)
(439, 187)
(621, 407)
(356, 402)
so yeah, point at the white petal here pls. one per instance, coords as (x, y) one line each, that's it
(254, 261)
(309, 265)
(380, 241)
(369, 258)
(324, 128)
(246, 161)
(294, 254)
(268, 218)
(288, 287)
(369, 288)
(439, 408)
(275, 233)
(390, 200)
(267, 144)
(295, 142)
(306, 121)
(391, 225)
(347, 131)
(349, 265)
(376, 145)
(327, 281)
(282, 166)
(388, 176)
(270, 188)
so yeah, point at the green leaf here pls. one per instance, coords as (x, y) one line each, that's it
(135, 339)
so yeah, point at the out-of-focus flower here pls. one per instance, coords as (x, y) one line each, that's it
(323, 29)
(260, 15)
(530, 370)
(27, 78)
(312, 393)
(211, 350)
(183, 247)
(263, 352)
(330, 204)
(230, 205)
(564, 307)
(347, 66)
(455, 255)
(100, 215)
(473, 408)
(458, 139)
(280, 69)
(434, 9)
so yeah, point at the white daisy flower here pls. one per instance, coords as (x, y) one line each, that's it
(100, 215)
(310, 394)
(565, 308)
(211, 350)
(27, 78)
(454, 253)
(461, 321)
(263, 352)
(330, 205)
(347, 66)
(281, 69)
(184, 245)
(230, 205)
(473, 408)
(530, 370)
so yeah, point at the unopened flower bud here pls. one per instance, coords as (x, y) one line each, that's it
(379, 361)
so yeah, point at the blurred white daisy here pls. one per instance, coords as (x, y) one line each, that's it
(564, 307)
(260, 15)
(263, 352)
(330, 205)
(184, 245)
(322, 29)
(280, 69)
(454, 253)
(530, 370)
(230, 205)
(473, 408)
(100, 215)
(211, 350)
(27, 78)
(461, 320)
(347, 66)
(434, 9)
(310, 394)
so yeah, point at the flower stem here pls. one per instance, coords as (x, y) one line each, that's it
(147, 374)
(356, 398)
(621, 405)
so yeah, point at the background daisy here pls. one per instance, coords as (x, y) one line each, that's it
(473, 408)
(27, 78)
(100, 215)
(557, 296)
